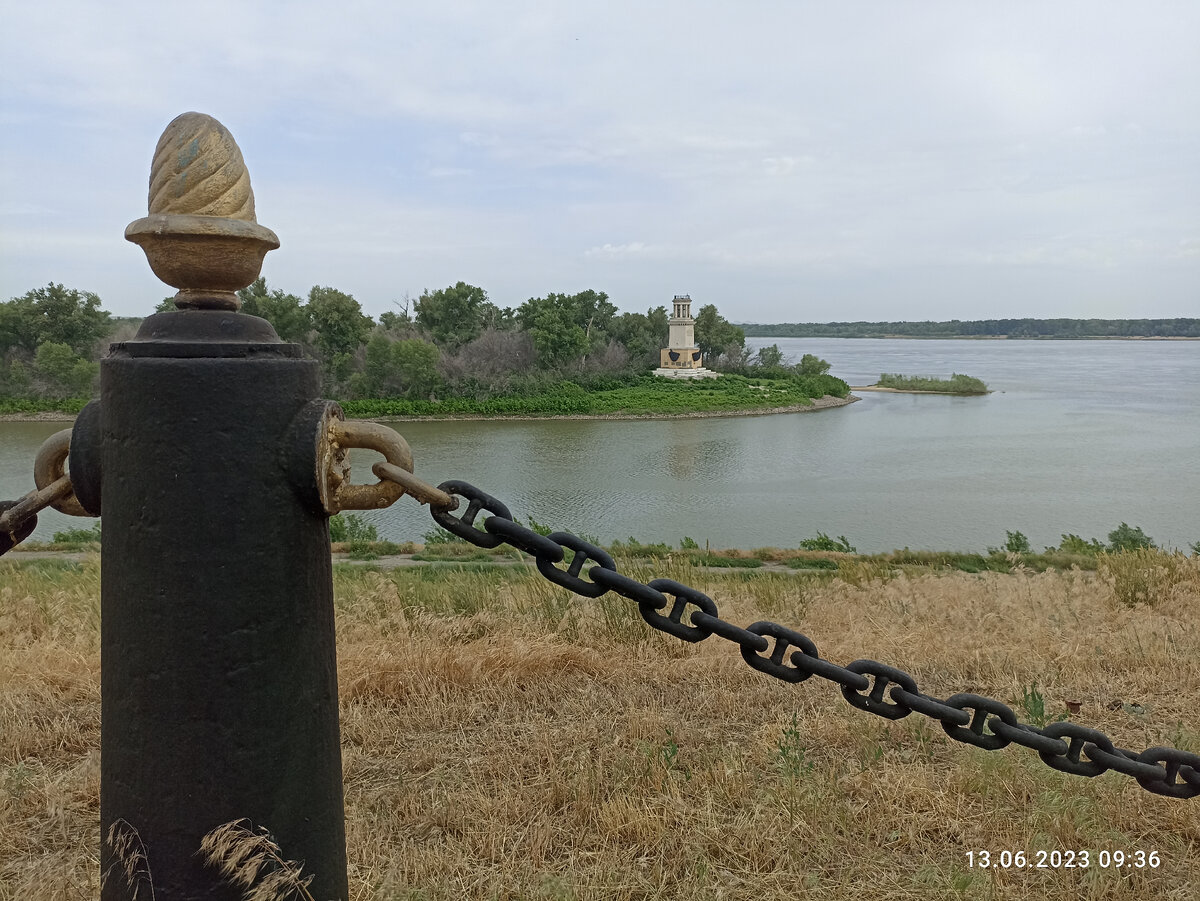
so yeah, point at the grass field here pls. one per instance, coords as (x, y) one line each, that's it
(505, 740)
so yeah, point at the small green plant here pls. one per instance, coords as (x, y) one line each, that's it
(669, 750)
(438, 535)
(661, 760)
(1194, 547)
(351, 527)
(824, 543)
(1033, 703)
(689, 544)
(791, 754)
(635, 548)
(78, 536)
(1073, 544)
(538, 527)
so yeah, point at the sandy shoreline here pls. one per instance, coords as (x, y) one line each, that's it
(820, 403)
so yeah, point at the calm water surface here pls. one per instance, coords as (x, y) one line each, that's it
(1078, 436)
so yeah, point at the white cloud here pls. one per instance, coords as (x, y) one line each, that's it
(632, 249)
(757, 136)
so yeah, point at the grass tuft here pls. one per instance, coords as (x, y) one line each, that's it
(252, 860)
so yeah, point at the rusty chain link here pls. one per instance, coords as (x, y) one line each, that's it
(791, 656)
(18, 518)
(337, 436)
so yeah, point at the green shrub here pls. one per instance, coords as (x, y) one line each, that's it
(810, 563)
(1128, 538)
(79, 536)
(635, 548)
(437, 535)
(824, 543)
(1073, 544)
(956, 384)
(1016, 543)
(351, 527)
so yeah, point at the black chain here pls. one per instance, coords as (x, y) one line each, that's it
(792, 656)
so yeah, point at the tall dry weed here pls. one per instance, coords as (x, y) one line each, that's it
(130, 862)
(1151, 576)
(252, 860)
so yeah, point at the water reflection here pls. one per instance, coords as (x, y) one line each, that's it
(1078, 437)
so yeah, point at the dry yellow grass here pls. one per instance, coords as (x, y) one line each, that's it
(503, 740)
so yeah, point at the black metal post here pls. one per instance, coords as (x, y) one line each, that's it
(218, 662)
(218, 665)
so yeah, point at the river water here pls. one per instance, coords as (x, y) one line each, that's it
(1077, 436)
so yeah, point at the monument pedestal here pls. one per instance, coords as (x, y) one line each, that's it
(700, 373)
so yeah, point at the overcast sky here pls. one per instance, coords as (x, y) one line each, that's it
(787, 161)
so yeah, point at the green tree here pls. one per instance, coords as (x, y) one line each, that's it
(557, 339)
(594, 312)
(251, 294)
(15, 380)
(53, 314)
(338, 321)
(811, 364)
(289, 318)
(415, 361)
(455, 315)
(406, 368)
(642, 334)
(63, 372)
(395, 322)
(566, 327)
(769, 357)
(715, 334)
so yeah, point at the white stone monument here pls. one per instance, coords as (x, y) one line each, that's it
(680, 359)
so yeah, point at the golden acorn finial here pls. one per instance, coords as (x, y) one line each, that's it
(201, 235)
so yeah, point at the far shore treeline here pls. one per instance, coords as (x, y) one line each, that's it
(982, 328)
(450, 351)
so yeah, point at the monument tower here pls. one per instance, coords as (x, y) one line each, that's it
(680, 359)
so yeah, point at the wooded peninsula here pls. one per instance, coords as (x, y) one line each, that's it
(449, 353)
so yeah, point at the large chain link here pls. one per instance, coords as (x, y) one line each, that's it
(791, 656)
(18, 518)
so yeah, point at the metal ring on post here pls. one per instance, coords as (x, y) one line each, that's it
(50, 465)
(333, 468)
